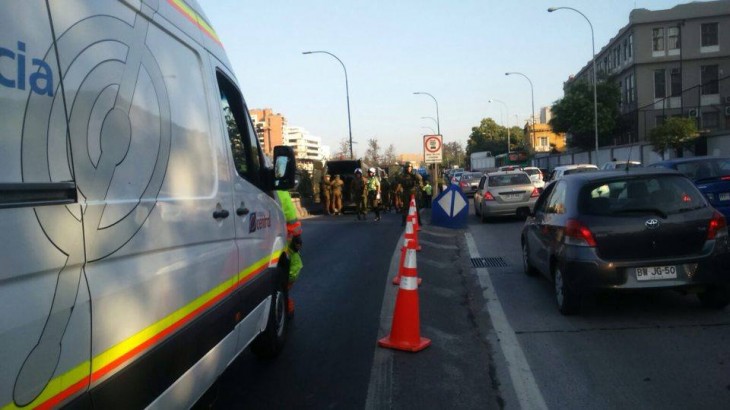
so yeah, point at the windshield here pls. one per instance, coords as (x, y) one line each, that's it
(661, 195)
(508, 180)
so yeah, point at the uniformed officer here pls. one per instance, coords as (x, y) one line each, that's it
(358, 193)
(325, 192)
(412, 183)
(385, 194)
(374, 197)
(337, 185)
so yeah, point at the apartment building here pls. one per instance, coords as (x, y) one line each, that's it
(307, 147)
(673, 62)
(269, 128)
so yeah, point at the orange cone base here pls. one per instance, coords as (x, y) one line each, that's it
(409, 347)
(396, 280)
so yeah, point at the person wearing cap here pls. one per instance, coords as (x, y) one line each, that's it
(325, 192)
(374, 196)
(359, 194)
(337, 185)
(412, 183)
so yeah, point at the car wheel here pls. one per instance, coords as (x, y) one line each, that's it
(715, 297)
(568, 300)
(270, 342)
(529, 269)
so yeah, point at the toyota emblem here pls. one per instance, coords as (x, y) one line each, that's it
(652, 223)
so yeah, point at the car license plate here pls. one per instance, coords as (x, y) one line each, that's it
(725, 196)
(511, 197)
(656, 273)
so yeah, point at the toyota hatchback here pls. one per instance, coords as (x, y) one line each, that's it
(648, 229)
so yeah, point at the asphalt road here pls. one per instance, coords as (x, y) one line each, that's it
(638, 350)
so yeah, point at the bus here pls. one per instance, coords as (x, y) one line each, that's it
(514, 158)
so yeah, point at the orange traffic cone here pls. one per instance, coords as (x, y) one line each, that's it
(405, 331)
(401, 264)
(411, 233)
(412, 210)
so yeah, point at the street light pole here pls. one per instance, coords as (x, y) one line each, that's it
(532, 95)
(593, 63)
(506, 109)
(432, 119)
(347, 92)
(438, 120)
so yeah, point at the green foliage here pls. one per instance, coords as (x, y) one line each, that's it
(453, 154)
(574, 113)
(490, 136)
(675, 133)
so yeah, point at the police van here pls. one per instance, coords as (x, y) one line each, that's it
(141, 247)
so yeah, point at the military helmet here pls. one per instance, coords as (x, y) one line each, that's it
(358, 171)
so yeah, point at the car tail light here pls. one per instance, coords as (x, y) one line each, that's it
(488, 196)
(576, 233)
(717, 227)
(463, 184)
(535, 193)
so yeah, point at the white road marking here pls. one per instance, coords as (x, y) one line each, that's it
(526, 389)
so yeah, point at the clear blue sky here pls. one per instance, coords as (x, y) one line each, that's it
(457, 50)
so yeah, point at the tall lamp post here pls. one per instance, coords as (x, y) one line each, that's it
(347, 91)
(432, 119)
(532, 95)
(506, 109)
(593, 63)
(438, 131)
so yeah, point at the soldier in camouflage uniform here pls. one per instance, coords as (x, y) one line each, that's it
(359, 194)
(325, 192)
(412, 183)
(337, 185)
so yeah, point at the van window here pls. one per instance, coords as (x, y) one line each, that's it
(244, 143)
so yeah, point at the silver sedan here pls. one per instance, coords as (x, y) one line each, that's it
(505, 193)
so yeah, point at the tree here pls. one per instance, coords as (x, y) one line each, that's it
(372, 154)
(574, 113)
(675, 133)
(488, 136)
(453, 154)
(388, 157)
(343, 149)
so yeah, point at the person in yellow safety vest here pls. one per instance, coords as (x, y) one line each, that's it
(373, 186)
(294, 242)
(427, 194)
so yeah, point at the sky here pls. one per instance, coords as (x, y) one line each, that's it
(456, 50)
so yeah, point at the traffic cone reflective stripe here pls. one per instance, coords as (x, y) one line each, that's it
(401, 264)
(405, 332)
(411, 234)
(413, 211)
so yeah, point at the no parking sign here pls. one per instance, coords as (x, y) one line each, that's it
(432, 149)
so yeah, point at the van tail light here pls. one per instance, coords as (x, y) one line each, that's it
(535, 193)
(717, 227)
(576, 233)
(488, 196)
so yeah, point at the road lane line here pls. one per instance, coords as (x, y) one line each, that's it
(526, 389)
(438, 245)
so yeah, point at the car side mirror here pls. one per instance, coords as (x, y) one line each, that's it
(285, 168)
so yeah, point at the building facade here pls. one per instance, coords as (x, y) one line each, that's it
(544, 139)
(269, 127)
(673, 62)
(306, 146)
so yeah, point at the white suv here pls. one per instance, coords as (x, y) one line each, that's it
(560, 171)
(535, 176)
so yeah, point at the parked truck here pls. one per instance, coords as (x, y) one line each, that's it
(482, 161)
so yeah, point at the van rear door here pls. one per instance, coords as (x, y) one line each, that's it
(45, 320)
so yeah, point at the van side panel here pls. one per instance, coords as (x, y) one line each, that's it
(45, 323)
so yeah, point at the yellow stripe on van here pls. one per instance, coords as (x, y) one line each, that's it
(73, 381)
(195, 18)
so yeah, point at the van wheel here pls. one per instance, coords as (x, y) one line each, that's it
(529, 269)
(270, 342)
(568, 300)
(715, 297)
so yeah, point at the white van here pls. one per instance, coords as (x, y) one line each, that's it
(142, 249)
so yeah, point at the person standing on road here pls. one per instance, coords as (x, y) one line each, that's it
(373, 187)
(385, 197)
(325, 188)
(336, 187)
(359, 194)
(427, 194)
(411, 182)
(294, 243)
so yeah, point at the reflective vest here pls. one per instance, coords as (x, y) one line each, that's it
(293, 226)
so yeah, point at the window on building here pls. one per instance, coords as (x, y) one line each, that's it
(710, 120)
(544, 142)
(676, 83)
(658, 39)
(660, 86)
(632, 90)
(631, 45)
(673, 38)
(708, 77)
(626, 49)
(709, 34)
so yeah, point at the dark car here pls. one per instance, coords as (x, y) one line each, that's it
(710, 174)
(613, 230)
(469, 182)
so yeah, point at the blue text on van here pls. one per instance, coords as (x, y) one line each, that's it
(40, 78)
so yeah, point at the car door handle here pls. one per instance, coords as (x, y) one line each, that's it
(221, 214)
(242, 211)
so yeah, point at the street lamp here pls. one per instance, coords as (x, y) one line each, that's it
(438, 121)
(593, 63)
(532, 94)
(432, 119)
(347, 91)
(506, 109)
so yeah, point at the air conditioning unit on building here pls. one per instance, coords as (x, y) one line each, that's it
(693, 113)
(727, 111)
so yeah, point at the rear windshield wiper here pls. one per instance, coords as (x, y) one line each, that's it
(642, 210)
(680, 210)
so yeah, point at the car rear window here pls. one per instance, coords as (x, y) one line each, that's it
(533, 171)
(509, 179)
(705, 168)
(661, 195)
(471, 175)
(579, 170)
